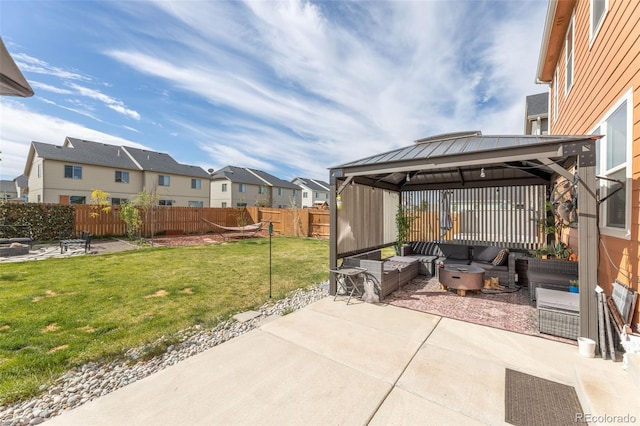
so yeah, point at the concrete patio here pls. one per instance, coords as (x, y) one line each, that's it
(330, 363)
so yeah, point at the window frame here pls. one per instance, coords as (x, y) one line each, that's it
(593, 31)
(164, 180)
(280, 192)
(625, 166)
(166, 203)
(242, 187)
(123, 173)
(569, 60)
(73, 174)
(196, 183)
(224, 187)
(199, 204)
(77, 198)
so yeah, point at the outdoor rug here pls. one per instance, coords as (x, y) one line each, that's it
(531, 400)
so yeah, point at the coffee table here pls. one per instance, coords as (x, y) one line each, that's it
(461, 278)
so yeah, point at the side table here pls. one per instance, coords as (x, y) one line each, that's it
(344, 277)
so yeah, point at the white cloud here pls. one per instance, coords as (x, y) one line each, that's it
(18, 121)
(304, 86)
(110, 102)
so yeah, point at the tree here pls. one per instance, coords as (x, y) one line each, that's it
(130, 214)
(100, 202)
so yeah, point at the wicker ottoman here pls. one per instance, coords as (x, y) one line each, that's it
(558, 313)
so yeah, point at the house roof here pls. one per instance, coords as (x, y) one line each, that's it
(12, 82)
(7, 186)
(120, 157)
(251, 177)
(537, 105)
(468, 159)
(555, 28)
(312, 184)
(21, 181)
(163, 163)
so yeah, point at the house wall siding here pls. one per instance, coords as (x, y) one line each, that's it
(603, 73)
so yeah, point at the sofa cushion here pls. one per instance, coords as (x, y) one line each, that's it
(501, 258)
(455, 252)
(484, 253)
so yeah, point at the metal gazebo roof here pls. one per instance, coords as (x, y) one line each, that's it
(12, 82)
(466, 159)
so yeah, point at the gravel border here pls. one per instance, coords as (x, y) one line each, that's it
(93, 380)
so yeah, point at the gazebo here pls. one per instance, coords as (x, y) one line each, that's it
(510, 170)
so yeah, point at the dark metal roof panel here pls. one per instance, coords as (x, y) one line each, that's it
(434, 148)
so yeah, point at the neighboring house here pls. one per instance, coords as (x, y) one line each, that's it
(589, 58)
(22, 187)
(240, 187)
(315, 193)
(536, 114)
(8, 190)
(68, 174)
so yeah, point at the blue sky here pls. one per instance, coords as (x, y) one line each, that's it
(291, 87)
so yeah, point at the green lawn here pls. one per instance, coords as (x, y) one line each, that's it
(60, 313)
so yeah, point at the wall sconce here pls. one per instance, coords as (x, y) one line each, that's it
(482, 173)
(408, 177)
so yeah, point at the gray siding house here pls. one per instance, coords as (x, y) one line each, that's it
(234, 186)
(68, 174)
(315, 193)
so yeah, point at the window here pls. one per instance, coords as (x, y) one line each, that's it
(122, 177)
(164, 180)
(224, 204)
(242, 187)
(555, 95)
(568, 46)
(241, 204)
(39, 173)
(196, 183)
(39, 198)
(305, 195)
(598, 10)
(280, 191)
(73, 172)
(295, 192)
(613, 162)
(224, 187)
(196, 204)
(118, 201)
(316, 195)
(77, 199)
(261, 189)
(165, 202)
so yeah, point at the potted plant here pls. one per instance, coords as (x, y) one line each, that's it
(561, 251)
(573, 286)
(403, 225)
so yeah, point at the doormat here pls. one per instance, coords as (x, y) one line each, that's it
(531, 400)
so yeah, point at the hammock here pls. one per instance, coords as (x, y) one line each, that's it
(253, 228)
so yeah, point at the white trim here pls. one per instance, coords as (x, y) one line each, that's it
(593, 33)
(627, 98)
(555, 96)
(571, 28)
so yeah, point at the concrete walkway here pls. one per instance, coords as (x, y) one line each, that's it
(333, 364)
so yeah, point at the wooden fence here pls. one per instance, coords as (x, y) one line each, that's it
(188, 220)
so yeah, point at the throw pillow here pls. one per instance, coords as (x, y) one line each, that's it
(501, 258)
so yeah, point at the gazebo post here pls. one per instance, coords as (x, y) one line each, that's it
(588, 244)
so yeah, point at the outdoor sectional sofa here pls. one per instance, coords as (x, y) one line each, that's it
(388, 275)
(431, 254)
(554, 274)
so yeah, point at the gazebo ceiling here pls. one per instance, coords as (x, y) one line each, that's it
(468, 159)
